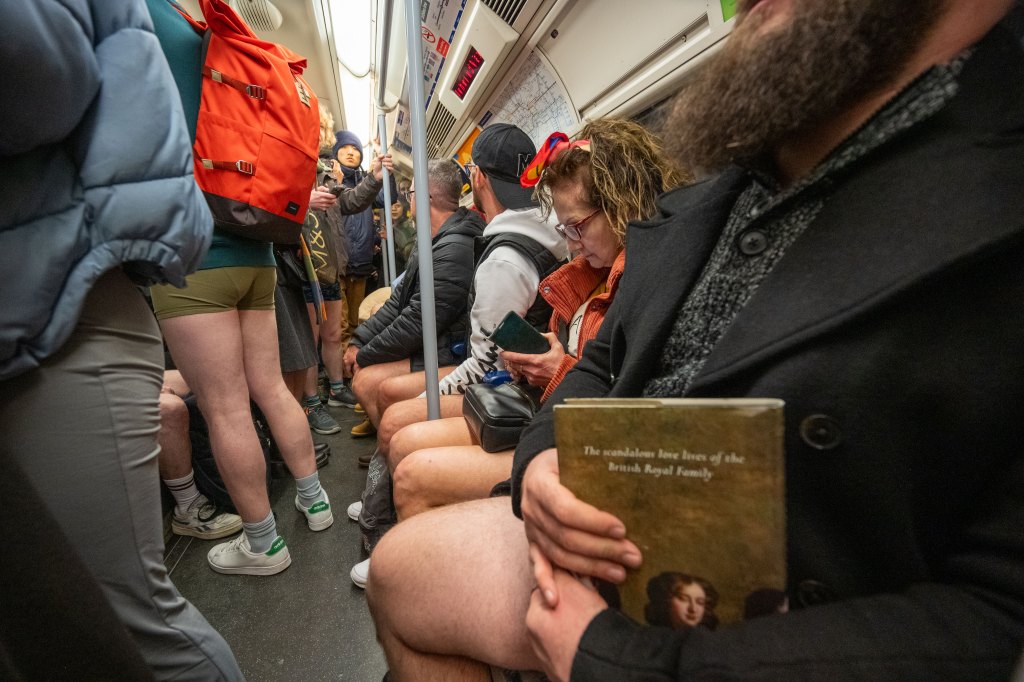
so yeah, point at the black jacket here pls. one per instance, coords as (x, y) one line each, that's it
(896, 321)
(395, 331)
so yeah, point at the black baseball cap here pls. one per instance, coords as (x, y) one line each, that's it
(503, 152)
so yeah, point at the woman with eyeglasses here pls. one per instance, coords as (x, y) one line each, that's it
(607, 177)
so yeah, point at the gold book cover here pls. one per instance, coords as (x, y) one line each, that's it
(700, 486)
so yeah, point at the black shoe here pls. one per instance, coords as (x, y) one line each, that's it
(322, 452)
(364, 460)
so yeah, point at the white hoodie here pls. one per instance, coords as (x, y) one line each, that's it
(506, 280)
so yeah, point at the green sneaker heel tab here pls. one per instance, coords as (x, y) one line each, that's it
(278, 545)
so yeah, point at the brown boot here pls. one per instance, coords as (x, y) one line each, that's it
(364, 429)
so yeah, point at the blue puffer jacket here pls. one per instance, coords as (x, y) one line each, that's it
(95, 167)
(359, 226)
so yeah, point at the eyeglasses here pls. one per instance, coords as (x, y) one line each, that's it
(574, 231)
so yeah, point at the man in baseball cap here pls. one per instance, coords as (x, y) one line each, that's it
(503, 151)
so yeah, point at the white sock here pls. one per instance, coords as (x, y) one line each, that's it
(184, 490)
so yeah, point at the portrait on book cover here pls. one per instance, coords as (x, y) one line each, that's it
(681, 601)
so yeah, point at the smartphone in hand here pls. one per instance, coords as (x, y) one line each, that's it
(517, 335)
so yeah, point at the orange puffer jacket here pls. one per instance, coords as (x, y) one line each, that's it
(565, 290)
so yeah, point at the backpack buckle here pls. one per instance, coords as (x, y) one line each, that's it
(256, 91)
(245, 167)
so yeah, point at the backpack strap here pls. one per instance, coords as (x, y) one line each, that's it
(250, 89)
(244, 167)
(197, 26)
(542, 259)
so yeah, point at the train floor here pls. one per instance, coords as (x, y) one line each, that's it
(308, 622)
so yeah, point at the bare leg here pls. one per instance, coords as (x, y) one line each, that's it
(404, 386)
(436, 477)
(175, 458)
(174, 381)
(296, 383)
(310, 384)
(208, 351)
(284, 416)
(428, 434)
(330, 340)
(367, 381)
(407, 412)
(451, 587)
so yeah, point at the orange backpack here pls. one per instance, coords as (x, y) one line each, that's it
(257, 136)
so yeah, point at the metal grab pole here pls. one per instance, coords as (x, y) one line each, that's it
(390, 264)
(418, 116)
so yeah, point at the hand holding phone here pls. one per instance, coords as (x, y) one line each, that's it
(516, 334)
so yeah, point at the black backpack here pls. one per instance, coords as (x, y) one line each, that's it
(208, 479)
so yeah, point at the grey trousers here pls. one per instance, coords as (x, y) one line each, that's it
(83, 427)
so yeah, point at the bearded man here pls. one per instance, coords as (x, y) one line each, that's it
(858, 255)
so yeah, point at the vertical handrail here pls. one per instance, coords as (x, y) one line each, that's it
(390, 264)
(382, 68)
(418, 116)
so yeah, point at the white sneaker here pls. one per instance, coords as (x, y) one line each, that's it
(202, 521)
(355, 509)
(319, 516)
(236, 557)
(360, 573)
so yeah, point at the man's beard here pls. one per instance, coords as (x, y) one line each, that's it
(761, 89)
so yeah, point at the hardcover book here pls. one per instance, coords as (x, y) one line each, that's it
(700, 487)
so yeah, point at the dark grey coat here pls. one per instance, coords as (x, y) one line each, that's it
(894, 331)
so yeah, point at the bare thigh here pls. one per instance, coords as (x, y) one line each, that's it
(428, 434)
(207, 348)
(457, 581)
(405, 386)
(406, 412)
(436, 477)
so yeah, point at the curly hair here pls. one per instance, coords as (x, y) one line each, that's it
(326, 127)
(662, 587)
(622, 174)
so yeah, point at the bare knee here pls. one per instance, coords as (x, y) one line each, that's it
(411, 496)
(390, 568)
(330, 333)
(361, 385)
(404, 442)
(391, 422)
(391, 391)
(173, 413)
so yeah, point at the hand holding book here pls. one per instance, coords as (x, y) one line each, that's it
(564, 531)
(555, 633)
